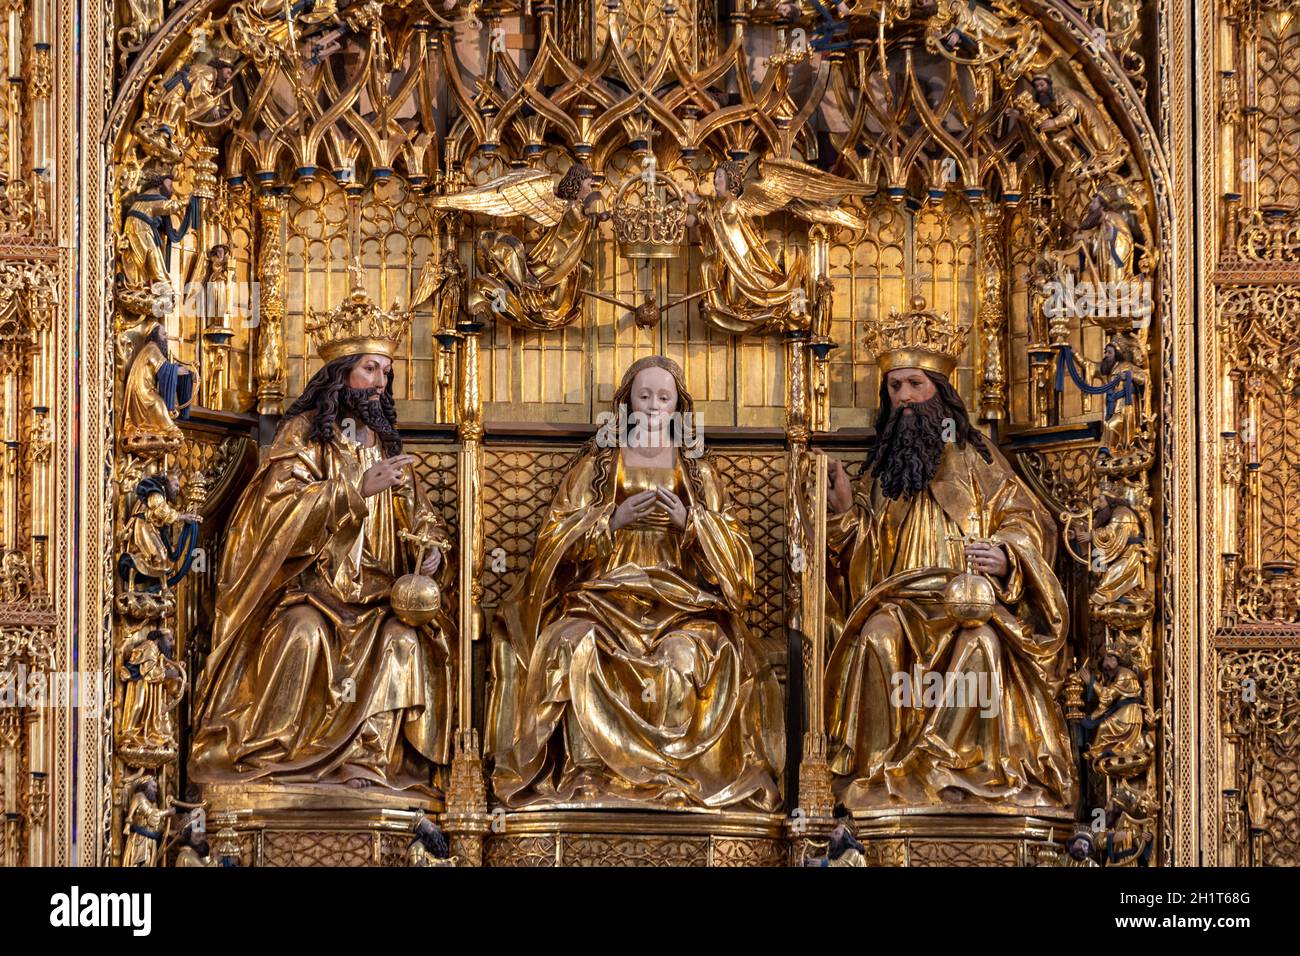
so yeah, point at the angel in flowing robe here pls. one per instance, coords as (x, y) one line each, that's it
(623, 673)
(751, 290)
(531, 286)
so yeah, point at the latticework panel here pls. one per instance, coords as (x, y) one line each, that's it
(1279, 478)
(1282, 787)
(317, 848)
(756, 483)
(436, 468)
(519, 485)
(1266, 723)
(600, 850)
(520, 851)
(1278, 95)
(963, 853)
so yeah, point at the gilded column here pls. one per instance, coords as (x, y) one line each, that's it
(806, 590)
(270, 278)
(466, 819)
(38, 786)
(821, 345)
(992, 315)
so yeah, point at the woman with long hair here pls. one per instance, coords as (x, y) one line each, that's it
(623, 671)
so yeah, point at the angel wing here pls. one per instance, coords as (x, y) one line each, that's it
(788, 182)
(429, 280)
(521, 192)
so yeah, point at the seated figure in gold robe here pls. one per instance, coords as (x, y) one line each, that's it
(937, 501)
(1119, 550)
(623, 671)
(312, 676)
(147, 417)
(1117, 724)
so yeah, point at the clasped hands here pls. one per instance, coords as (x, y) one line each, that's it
(644, 502)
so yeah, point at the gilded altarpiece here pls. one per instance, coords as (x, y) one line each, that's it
(249, 171)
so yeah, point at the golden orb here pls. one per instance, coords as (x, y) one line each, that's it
(970, 599)
(415, 599)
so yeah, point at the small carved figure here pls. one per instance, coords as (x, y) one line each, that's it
(145, 821)
(533, 286)
(156, 392)
(154, 686)
(429, 846)
(150, 560)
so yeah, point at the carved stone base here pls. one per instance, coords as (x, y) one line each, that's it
(633, 838)
(962, 840)
(306, 825)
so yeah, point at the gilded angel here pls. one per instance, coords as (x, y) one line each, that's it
(537, 285)
(751, 289)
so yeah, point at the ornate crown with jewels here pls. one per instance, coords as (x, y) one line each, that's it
(918, 338)
(358, 326)
(646, 224)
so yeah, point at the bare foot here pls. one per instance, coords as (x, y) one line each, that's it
(359, 783)
(951, 795)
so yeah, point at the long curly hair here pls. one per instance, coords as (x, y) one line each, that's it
(623, 400)
(568, 186)
(322, 397)
(735, 173)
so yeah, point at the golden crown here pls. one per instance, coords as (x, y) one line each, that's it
(358, 326)
(647, 225)
(918, 338)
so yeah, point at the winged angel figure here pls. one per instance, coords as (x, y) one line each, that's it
(533, 286)
(751, 290)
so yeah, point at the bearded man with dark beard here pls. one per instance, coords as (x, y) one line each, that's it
(312, 677)
(924, 711)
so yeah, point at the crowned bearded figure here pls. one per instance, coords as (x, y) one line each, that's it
(313, 677)
(942, 683)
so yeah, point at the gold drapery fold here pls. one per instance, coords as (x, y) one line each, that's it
(624, 684)
(751, 290)
(311, 676)
(889, 563)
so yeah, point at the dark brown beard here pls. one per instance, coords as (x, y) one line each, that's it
(909, 448)
(362, 403)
